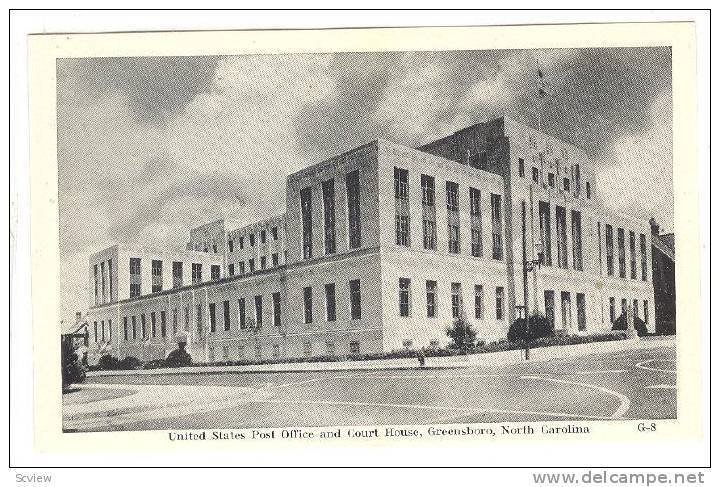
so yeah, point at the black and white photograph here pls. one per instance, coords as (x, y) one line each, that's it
(371, 240)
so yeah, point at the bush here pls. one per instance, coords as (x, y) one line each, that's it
(462, 335)
(107, 362)
(130, 363)
(154, 364)
(620, 324)
(539, 327)
(178, 357)
(72, 371)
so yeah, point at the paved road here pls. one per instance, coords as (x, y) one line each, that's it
(637, 385)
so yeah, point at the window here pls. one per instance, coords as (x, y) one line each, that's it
(453, 238)
(566, 184)
(125, 328)
(328, 191)
(226, 315)
(546, 257)
(633, 264)
(163, 323)
(276, 309)
(230, 245)
(476, 242)
(401, 183)
(251, 238)
(263, 236)
(307, 305)
(355, 308)
(102, 280)
(431, 296)
(550, 307)
(612, 310)
(635, 308)
(213, 321)
(429, 234)
(251, 265)
(196, 273)
(643, 257)
(561, 230)
(576, 230)
(143, 326)
(609, 250)
(110, 279)
(535, 175)
(354, 347)
(621, 251)
(263, 262)
(177, 274)
(551, 180)
(475, 202)
(214, 247)
(623, 306)
(97, 292)
(241, 268)
(475, 223)
(175, 321)
(451, 192)
(521, 167)
(95, 329)
(479, 302)
(241, 313)
(427, 185)
(258, 311)
(646, 316)
(102, 330)
(402, 229)
(214, 272)
(499, 302)
(581, 320)
(404, 299)
(330, 307)
(495, 213)
(134, 328)
(587, 189)
(156, 267)
(455, 299)
(241, 242)
(199, 319)
(275, 259)
(274, 233)
(231, 269)
(330, 347)
(135, 278)
(576, 176)
(352, 183)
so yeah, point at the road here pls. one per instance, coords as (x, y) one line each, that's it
(637, 384)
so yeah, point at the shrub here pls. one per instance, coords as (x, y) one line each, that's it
(107, 362)
(130, 363)
(621, 324)
(72, 371)
(154, 364)
(178, 357)
(462, 335)
(539, 327)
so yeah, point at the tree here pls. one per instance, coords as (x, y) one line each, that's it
(179, 357)
(462, 335)
(539, 327)
(72, 371)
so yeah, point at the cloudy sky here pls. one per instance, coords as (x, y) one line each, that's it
(149, 147)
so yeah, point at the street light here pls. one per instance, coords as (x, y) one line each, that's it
(528, 266)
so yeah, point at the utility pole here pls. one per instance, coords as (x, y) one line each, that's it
(525, 284)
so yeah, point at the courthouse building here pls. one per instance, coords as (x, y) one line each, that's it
(381, 248)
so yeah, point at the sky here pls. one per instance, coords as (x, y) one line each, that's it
(151, 147)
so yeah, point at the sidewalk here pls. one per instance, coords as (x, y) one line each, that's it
(510, 357)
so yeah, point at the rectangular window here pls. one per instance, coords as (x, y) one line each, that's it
(231, 269)
(546, 257)
(550, 307)
(535, 175)
(643, 257)
(213, 319)
(330, 307)
(102, 281)
(251, 265)
(499, 303)
(307, 305)
(635, 309)
(427, 185)
(135, 278)
(455, 299)
(582, 325)
(475, 202)
(451, 192)
(276, 309)
(177, 270)
(263, 236)
(258, 311)
(621, 251)
(609, 250)
(241, 268)
(402, 230)
(251, 237)
(102, 330)
(241, 314)
(306, 209)
(230, 245)
(404, 298)
(328, 191)
(633, 263)
(561, 230)
(196, 273)
(134, 328)
(352, 184)
(175, 321)
(612, 310)
(475, 223)
(241, 242)
(157, 284)
(431, 297)
(110, 279)
(521, 167)
(623, 306)
(429, 234)
(214, 272)
(143, 326)
(275, 259)
(646, 316)
(587, 189)
(125, 328)
(495, 213)
(226, 315)
(274, 232)
(355, 303)
(566, 184)
(95, 329)
(163, 323)
(479, 302)
(551, 180)
(576, 230)
(401, 183)
(453, 238)
(97, 291)
(476, 242)
(263, 262)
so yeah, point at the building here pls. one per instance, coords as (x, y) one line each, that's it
(663, 263)
(383, 246)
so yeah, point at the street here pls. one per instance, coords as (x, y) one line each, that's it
(638, 384)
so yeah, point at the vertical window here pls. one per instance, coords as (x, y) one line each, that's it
(479, 302)
(636, 311)
(355, 307)
(576, 174)
(213, 319)
(535, 175)
(451, 192)
(587, 189)
(431, 297)
(226, 315)
(102, 330)
(251, 237)
(230, 245)
(521, 167)
(275, 260)
(623, 306)
(633, 264)
(550, 307)
(561, 229)
(499, 302)
(476, 242)
(175, 321)
(582, 325)
(157, 284)
(241, 268)
(307, 305)
(621, 251)
(551, 180)
(427, 185)
(95, 329)
(214, 272)
(102, 281)
(455, 299)
(646, 316)
(402, 230)
(163, 323)
(404, 297)
(134, 328)
(274, 232)
(258, 311)
(576, 230)
(328, 191)
(251, 265)
(196, 273)
(241, 313)
(125, 328)
(330, 307)
(609, 250)
(306, 209)
(495, 213)
(263, 236)
(401, 183)
(263, 262)
(352, 183)
(643, 257)
(612, 310)
(402, 208)
(546, 257)
(429, 234)
(241, 242)
(276, 309)
(97, 292)
(135, 278)
(143, 326)
(110, 279)
(475, 223)
(566, 184)
(177, 274)
(231, 269)
(453, 238)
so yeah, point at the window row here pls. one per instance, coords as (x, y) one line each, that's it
(103, 283)
(566, 310)
(241, 269)
(157, 275)
(550, 178)
(251, 239)
(624, 309)
(546, 254)
(99, 333)
(330, 302)
(244, 351)
(456, 300)
(621, 251)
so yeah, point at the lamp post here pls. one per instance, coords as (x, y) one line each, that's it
(528, 266)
